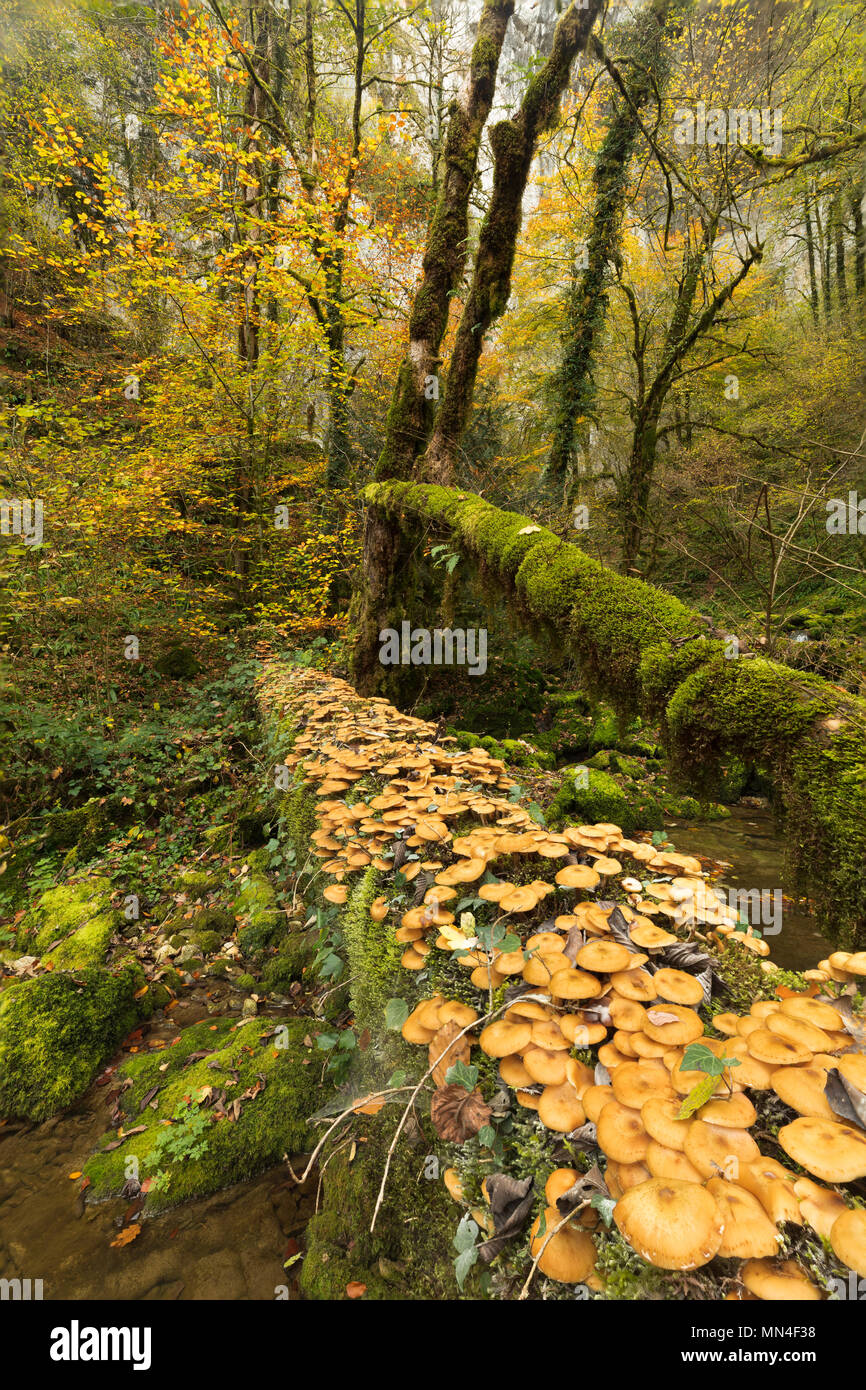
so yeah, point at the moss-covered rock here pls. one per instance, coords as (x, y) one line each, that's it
(56, 1031)
(271, 1123)
(589, 795)
(77, 919)
(263, 923)
(288, 965)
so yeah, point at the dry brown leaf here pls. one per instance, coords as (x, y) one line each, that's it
(457, 1113)
(457, 1051)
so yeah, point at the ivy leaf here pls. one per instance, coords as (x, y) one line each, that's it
(698, 1057)
(462, 1265)
(396, 1013)
(462, 1074)
(698, 1096)
(467, 1234)
(487, 1136)
(604, 1206)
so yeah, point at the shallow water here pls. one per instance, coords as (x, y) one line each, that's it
(752, 844)
(229, 1246)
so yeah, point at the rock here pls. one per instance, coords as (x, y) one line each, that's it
(249, 1008)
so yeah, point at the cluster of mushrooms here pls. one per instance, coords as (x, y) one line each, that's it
(689, 1181)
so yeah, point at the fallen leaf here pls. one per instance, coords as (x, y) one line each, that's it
(73, 1176)
(356, 1290)
(128, 1235)
(457, 1114)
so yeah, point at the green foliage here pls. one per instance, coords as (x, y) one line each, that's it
(182, 1140)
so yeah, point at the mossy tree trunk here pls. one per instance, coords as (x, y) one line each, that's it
(379, 602)
(586, 303)
(513, 142)
(646, 652)
(410, 414)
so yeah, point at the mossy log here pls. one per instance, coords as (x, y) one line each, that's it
(646, 652)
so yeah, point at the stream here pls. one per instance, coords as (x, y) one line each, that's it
(750, 842)
(233, 1245)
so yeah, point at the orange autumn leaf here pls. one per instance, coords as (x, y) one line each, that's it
(356, 1290)
(75, 1175)
(127, 1235)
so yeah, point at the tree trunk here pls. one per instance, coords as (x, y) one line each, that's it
(378, 601)
(586, 305)
(410, 413)
(859, 240)
(254, 209)
(841, 285)
(810, 248)
(513, 143)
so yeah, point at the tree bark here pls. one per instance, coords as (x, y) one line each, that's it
(810, 249)
(586, 304)
(410, 414)
(513, 142)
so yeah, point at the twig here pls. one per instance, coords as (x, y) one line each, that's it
(524, 1292)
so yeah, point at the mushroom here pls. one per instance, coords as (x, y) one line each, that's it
(604, 956)
(620, 1133)
(634, 984)
(729, 1111)
(813, 1011)
(502, 1038)
(577, 876)
(678, 986)
(778, 1280)
(749, 1233)
(566, 982)
(670, 1223)
(848, 1239)
(833, 1151)
(803, 1089)
(670, 1163)
(819, 1206)
(673, 1024)
(660, 1116)
(777, 1051)
(594, 1099)
(453, 1184)
(714, 1150)
(560, 1108)
(636, 1082)
(569, 1255)
(776, 1195)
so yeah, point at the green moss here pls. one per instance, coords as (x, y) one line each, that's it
(409, 1254)
(258, 904)
(288, 965)
(602, 799)
(57, 1029)
(373, 966)
(271, 1124)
